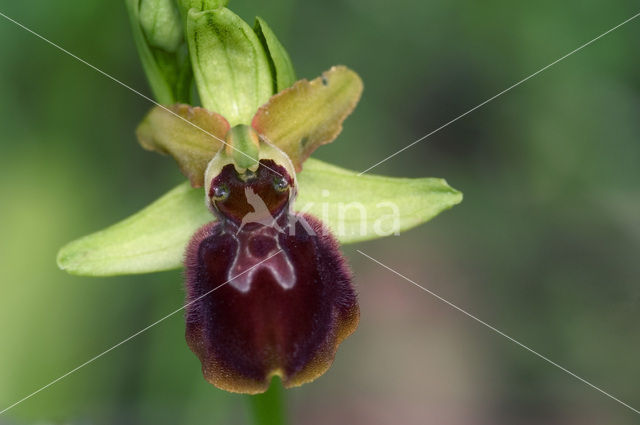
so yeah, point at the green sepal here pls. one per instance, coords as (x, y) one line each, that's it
(340, 197)
(229, 63)
(154, 239)
(279, 59)
(151, 240)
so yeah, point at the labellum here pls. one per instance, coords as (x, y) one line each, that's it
(284, 298)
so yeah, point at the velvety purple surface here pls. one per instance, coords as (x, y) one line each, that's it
(286, 299)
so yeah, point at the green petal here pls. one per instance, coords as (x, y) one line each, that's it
(281, 65)
(229, 63)
(192, 136)
(154, 239)
(310, 113)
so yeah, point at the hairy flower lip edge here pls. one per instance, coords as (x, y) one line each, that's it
(316, 367)
(343, 320)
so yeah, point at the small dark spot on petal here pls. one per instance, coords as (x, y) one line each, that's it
(325, 82)
(304, 141)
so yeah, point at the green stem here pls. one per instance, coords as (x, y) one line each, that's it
(269, 408)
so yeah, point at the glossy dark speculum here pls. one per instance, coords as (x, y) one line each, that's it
(284, 299)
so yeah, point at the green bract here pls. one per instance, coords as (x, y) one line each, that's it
(252, 106)
(281, 66)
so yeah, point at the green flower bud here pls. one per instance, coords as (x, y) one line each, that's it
(230, 65)
(158, 32)
(161, 23)
(202, 4)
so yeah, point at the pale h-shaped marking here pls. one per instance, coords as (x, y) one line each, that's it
(246, 258)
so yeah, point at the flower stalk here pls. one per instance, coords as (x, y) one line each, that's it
(269, 408)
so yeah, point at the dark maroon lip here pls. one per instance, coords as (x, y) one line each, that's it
(285, 299)
(286, 314)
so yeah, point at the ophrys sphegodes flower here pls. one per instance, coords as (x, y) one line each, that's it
(246, 146)
(284, 300)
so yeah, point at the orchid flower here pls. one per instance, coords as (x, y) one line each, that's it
(258, 224)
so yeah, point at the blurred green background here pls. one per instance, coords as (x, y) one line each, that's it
(545, 245)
